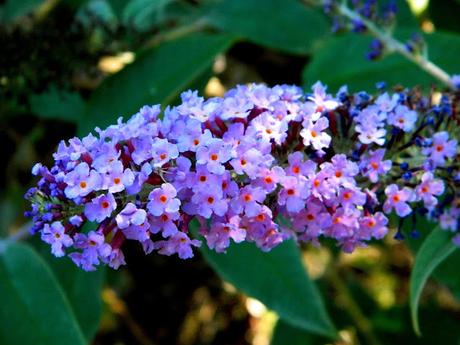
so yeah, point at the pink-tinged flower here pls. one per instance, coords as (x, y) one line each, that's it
(163, 200)
(228, 186)
(344, 223)
(130, 215)
(268, 179)
(100, 207)
(312, 133)
(94, 250)
(441, 149)
(139, 232)
(81, 181)
(373, 226)
(162, 152)
(373, 165)
(178, 243)
(164, 223)
(341, 171)
(210, 202)
(403, 118)
(214, 155)
(203, 179)
(398, 199)
(312, 220)
(117, 178)
(249, 162)
(351, 197)
(369, 134)
(428, 188)
(320, 187)
(322, 100)
(219, 234)
(293, 194)
(385, 103)
(265, 127)
(449, 220)
(297, 166)
(249, 201)
(55, 235)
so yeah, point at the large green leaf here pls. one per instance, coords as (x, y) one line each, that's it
(82, 289)
(278, 279)
(341, 61)
(157, 76)
(434, 250)
(286, 25)
(285, 334)
(34, 308)
(13, 9)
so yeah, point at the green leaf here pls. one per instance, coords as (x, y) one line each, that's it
(83, 289)
(278, 279)
(341, 60)
(434, 250)
(285, 334)
(142, 14)
(285, 25)
(34, 308)
(13, 9)
(57, 104)
(158, 75)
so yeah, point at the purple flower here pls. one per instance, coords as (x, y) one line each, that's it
(209, 202)
(293, 194)
(373, 226)
(369, 134)
(373, 165)
(297, 166)
(269, 178)
(249, 162)
(322, 100)
(448, 220)
(162, 152)
(130, 215)
(139, 232)
(94, 249)
(55, 235)
(163, 200)
(441, 149)
(403, 118)
(100, 207)
(428, 188)
(81, 181)
(214, 155)
(178, 243)
(351, 197)
(344, 223)
(398, 199)
(164, 223)
(118, 178)
(249, 201)
(312, 133)
(219, 234)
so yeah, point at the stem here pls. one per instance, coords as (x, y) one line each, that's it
(393, 45)
(363, 325)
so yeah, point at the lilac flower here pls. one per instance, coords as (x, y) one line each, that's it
(94, 249)
(403, 118)
(81, 181)
(249, 162)
(249, 201)
(398, 199)
(351, 197)
(312, 133)
(100, 207)
(178, 243)
(441, 149)
(164, 223)
(163, 200)
(55, 235)
(373, 165)
(428, 188)
(387, 103)
(448, 220)
(210, 202)
(321, 99)
(369, 134)
(219, 234)
(268, 179)
(129, 216)
(139, 232)
(373, 226)
(117, 178)
(298, 166)
(214, 155)
(344, 223)
(293, 194)
(162, 152)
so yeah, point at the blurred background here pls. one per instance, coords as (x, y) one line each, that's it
(68, 66)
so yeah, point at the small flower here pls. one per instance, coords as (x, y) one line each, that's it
(100, 207)
(312, 133)
(55, 235)
(249, 201)
(293, 194)
(441, 149)
(373, 165)
(162, 152)
(214, 155)
(130, 215)
(163, 200)
(403, 118)
(81, 181)
(178, 243)
(428, 188)
(398, 199)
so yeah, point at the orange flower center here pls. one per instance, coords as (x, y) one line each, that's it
(375, 165)
(439, 148)
(214, 157)
(314, 134)
(164, 217)
(425, 189)
(247, 197)
(260, 217)
(243, 162)
(290, 191)
(316, 183)
(268, 179)
(310, 216)
(196, 142)
(116, 180)
(268, 131)
(396, 198)
(210, 200)
(163, 156)
(83, 184)
(295, 169)
(202, 178)
(371, 223)
(347, 195)
(105, 204)
(163, 198)
(338, 174)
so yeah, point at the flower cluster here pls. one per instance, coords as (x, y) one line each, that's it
(260, 164)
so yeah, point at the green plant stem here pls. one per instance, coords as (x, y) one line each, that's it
(363, 325)
(393, 45)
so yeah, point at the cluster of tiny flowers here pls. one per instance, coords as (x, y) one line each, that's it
(260, 164)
